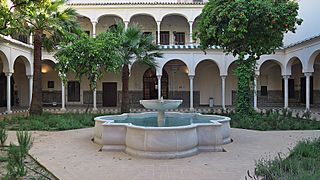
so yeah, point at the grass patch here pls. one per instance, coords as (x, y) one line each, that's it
(49, 122)
(302, 163)
(274, 120)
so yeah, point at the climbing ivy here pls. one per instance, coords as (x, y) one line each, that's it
(247, 29)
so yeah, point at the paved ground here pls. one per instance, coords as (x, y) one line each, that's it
(71, 155)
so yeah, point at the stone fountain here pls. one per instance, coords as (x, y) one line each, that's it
(161, 134)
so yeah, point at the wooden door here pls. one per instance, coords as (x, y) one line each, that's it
(74, 91)
(109, 95)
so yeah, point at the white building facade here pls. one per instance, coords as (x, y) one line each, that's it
(290, 77)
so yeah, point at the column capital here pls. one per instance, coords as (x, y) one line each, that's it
(8, 73)
(159, 75)
(94, 22)
(285, 76)
(30, 76)
(308, 74)
(190, 22)
(158, 22)
(191, 76)
(223, 77)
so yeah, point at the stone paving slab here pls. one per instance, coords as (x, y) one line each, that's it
(72, 155)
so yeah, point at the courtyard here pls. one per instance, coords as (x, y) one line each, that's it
(72, 155)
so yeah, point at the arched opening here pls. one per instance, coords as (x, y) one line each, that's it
(207, 90)
(85, 24)
(316, 80)
(51, 84)
(3, 82)
(147, 24)
(270, 85)
(174, 30)
(299, 83)
(194, 27)
(106, 22)
(150, 84)
(231, 84)
(178, 81)
(20, 91)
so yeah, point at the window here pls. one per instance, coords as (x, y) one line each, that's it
(164, 37)
(179, 38)
(264, 91)
(23, 38)
(50, 84)
(73, 91)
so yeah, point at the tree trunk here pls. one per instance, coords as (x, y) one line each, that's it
(125, 107)
(36, 103)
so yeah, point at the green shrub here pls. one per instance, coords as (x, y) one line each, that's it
(50, 122)
(3, 136)
(273, 120)
(303, 162)
(15, 166)
(25, 141)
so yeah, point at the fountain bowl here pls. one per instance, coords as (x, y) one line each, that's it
(161, 104)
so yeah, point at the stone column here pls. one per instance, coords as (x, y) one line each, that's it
(30, 78)
(9, 74)
(94, 24)
(158, 31)
(63, 97)
(190, 35)
(191, 92)
(307, 75)
(223, 87)
(31, 39)
(126, 24)
(286, 91)
(255, 93)
(159, 86)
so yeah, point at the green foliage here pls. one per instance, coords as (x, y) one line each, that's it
(247, 29)
(272, 120)
(301, 163)
(15, 166)
(3, 136)
(50, 122)
(25, 141)
(135, 46)
(90, 57)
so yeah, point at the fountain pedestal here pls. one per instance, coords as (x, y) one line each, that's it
(161, 118)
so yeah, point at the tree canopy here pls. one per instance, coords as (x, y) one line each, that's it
(247, 29)
(90, 57)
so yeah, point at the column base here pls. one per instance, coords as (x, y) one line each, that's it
(63, 109)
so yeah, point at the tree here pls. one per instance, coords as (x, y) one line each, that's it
(247, 29)
(134, 46)
(90, 57)
(51, 25)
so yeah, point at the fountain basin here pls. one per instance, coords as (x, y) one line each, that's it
(116, 133)
(160, 104)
